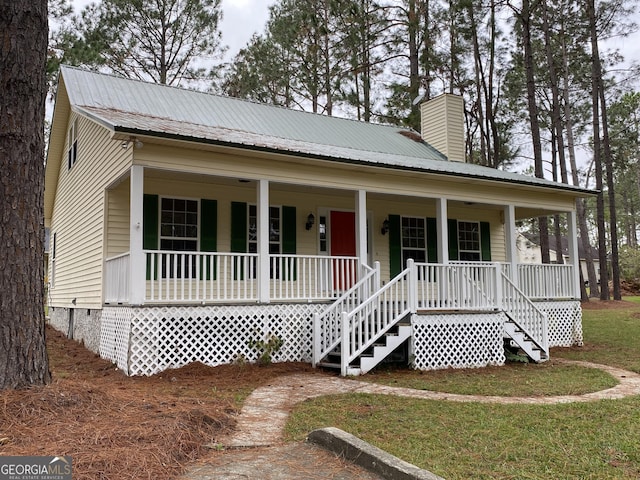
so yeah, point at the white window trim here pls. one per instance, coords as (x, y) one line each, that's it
(161, 237)
(402, 247)
(72, 147)
(249, 242)
(461, 250)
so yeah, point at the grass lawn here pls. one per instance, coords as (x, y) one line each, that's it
(599, 440)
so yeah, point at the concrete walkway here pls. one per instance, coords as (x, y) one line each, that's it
(264, 414)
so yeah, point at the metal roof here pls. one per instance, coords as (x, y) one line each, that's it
(137, 107)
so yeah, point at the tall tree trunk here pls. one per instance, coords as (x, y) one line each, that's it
(543, 225)
(597, 149)
(594, 290)
(608, 160)
(23, 48)
(414, 62)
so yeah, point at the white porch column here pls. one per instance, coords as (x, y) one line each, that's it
(574, 255)
(137, 261)
(263, 241)
(443, 230)
(361, 227)
(510, 235)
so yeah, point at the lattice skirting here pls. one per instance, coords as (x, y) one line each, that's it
(457, 340)
(148, 340)
(565, 322)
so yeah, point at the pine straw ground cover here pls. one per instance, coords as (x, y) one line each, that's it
(118, 427)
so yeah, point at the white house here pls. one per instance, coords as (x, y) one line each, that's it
(187, 226)
(528, 245)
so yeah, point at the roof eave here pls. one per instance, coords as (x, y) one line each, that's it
(577, 191)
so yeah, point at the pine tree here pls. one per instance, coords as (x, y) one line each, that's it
(23, 356)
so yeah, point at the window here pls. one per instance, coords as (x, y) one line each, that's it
(72, 139)
(275, 221)
(469, 242)
(53, 260)
(322, 232)
(275, 238)
(414, 239)
(178, 232)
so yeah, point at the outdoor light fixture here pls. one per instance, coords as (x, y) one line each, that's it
(310, 221)
(385, 227)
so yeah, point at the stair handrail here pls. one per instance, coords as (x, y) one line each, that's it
(364, 325)
(523, 312)
(327, 324)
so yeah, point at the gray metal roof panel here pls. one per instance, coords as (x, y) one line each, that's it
(134, 106)
(91, 89)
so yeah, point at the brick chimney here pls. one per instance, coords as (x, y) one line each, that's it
(442, 124)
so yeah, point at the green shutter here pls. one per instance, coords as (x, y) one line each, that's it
(238, 232)
(395, 247)
(485, 241)
(150, 213)
(238, 227)
(208, 232)
(452, 227)
(432, 240)
(289, 236)
(150, 222)
(289, 230)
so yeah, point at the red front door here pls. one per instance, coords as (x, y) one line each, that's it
(343, 244)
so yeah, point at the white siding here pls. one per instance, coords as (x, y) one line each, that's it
(78, 215)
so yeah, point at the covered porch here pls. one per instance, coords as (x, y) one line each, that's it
(311, 251)
(392, 267)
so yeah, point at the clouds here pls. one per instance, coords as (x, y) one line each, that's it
(240, 20)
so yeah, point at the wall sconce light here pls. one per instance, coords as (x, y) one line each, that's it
(311, 220)
(385, 227)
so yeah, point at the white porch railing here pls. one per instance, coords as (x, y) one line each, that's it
(548, 281)
(456, 286)
(296, 277)
(202, 277)
(116, 282)
(197, 277)
(461, 286)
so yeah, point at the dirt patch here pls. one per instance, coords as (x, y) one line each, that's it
(595, 304)
(118, 427)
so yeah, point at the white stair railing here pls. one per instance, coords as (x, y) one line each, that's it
(525, 314)
(327, 326)
(364, 325)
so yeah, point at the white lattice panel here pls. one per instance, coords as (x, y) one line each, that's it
(457, 340)
(115, 325)
(565, 322)
(170, 337)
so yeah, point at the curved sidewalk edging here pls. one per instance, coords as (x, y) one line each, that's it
(367, 456)
(264, 414)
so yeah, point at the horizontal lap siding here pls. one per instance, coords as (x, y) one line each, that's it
(118, 215)
(78, 215)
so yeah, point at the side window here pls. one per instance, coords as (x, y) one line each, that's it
(469, 241)
(413, 239)
(52, 280)
(72, 142)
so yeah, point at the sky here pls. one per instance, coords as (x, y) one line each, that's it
(240, 20)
